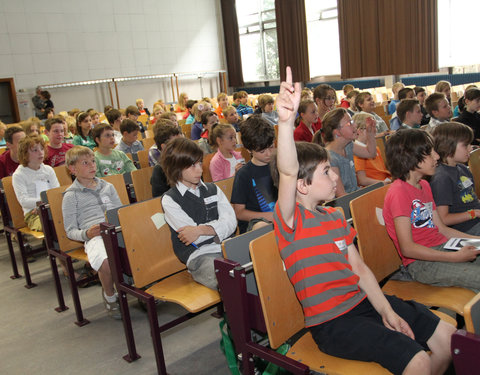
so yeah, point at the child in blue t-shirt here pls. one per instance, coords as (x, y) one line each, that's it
(253, 194)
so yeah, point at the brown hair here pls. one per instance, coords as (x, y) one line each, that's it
(26, 144)
(361, 98)
(447, 136)
(98, 130)
(331, 121)
(432, 102)
(406, 105)
(218, 131)
(309, 155)
(178, 155)
(302, 108)
(80, 118)
(405, 150)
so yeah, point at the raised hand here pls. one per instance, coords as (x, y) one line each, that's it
(288, 99)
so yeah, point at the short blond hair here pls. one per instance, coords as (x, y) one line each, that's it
(397, 86)
(75, 153)
(138, 101)
(360, 119)
(229, 109)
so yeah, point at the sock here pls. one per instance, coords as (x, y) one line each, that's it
(110, 299)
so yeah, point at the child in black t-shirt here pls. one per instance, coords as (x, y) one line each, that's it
(253, 194)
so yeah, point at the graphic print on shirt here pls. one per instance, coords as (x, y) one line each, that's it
(422, 214)
(264, 197)
(467, 194)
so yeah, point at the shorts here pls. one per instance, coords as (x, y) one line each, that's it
(96, 252)
(361, 335)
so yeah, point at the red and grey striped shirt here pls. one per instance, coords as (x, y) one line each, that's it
(316, 258)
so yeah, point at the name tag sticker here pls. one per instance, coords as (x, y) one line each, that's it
(467, 183)
(105, 161)
(106, 200)
(342, 245)
(211, 199)
(159, 220)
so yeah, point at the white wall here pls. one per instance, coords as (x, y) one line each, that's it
(54, 41)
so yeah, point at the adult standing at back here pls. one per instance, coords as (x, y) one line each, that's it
(39, 104)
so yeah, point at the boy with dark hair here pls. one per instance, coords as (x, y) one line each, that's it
(240, 100)
(83, 207)
(162, 136)
(56, 148)
(154, 151)
(452, 185)
(9, 159)
(345, 309)
(108, 160)
(438, 108)
(266, 103)
(409, 114)
(129, 143)
(253, 194)
(421, 95)
(115, 118)
(405, 93)
(412, 220)
(198, 214)
(132, 113)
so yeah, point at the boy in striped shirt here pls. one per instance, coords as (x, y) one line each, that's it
(345, 309)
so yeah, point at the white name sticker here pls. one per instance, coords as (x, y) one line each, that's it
(158, 219)
(342, 245)
(103, 161)
(213, 198)
(467, 183)
(106, 200)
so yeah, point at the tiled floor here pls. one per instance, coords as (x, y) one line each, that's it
(37, 340)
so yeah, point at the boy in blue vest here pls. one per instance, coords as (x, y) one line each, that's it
(199, 215)
(345, 309)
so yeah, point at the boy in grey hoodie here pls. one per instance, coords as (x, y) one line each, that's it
(84, 205)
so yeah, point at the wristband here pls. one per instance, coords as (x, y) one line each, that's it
(472, 213)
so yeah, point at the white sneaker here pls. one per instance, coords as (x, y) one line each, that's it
(113, 308)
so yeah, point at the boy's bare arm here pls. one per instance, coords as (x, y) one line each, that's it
(287, 104)
(447, 231)
(449, 218)
(410, 249)
(370, 286)
(370, 151)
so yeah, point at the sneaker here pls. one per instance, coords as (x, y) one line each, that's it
(113, 308)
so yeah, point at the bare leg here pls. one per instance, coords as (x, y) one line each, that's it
(105, 276)
(439, 344)
(420, 364)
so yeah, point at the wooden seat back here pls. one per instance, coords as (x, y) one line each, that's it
(55, 198)
(143, 157)
(343, 202)
(281, 309)
(118, 182)
(381, 146)
(206, 175)
(472, 315)
(474, 164)
(245, 153)
(63, 175)
(149, 249)
(143, 119)
(374, 244)
(141, 183)
(226, 185)
(187, 130)
(148, 142)
(16, 211)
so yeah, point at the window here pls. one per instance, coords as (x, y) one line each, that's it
(323, 39)
(457, 29)
(258, 39)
